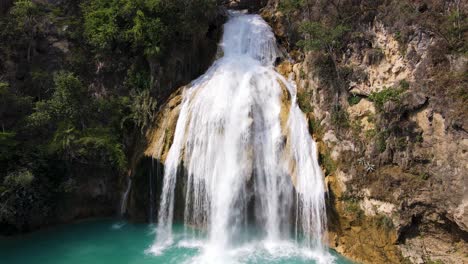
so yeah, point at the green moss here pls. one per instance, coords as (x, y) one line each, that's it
(352, 207)
(381, 141)
(370, 117)
(339, 117)
(419, 138)
(315, 127)
(424, 176)
(356, 127)
(168, 138)
(401, 143)
(303, 100)
(438, 261)
(398, 36)
(384, 222)
(385, 95)
(354, 100)
(404, 84)
(302, 74)
(371, 133)
(327, 162)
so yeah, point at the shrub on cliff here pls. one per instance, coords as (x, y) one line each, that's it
(321, 37)
(385, 95)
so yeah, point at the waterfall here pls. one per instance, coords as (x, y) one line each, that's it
(123, 204)
(240, 134)
(151, 194)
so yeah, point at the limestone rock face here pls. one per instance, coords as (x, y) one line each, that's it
(396, 172)
(160, 138)
(450, 163)
(384, 65)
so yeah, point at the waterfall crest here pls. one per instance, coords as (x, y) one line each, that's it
(241, 140)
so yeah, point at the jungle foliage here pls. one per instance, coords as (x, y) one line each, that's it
(147, 26)
(85, 107)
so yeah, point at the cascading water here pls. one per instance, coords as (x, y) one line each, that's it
(123, 204)
(151, 194)
(241, 140)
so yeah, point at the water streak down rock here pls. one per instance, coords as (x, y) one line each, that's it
(241, 139)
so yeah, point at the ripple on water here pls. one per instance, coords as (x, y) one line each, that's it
(107, 241)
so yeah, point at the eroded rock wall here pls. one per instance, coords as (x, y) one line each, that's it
(396, 167)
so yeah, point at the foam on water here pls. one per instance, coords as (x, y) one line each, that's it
(96, 242)
(118, 225)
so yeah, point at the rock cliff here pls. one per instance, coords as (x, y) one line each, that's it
(392, 133)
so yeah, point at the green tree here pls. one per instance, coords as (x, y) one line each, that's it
(322, 38)
(8, 144)
(13, 107)
(290, 6)
(144, 25)
(68, 103)
(96, 145)
(27, 21)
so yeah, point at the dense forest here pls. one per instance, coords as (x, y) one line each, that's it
(85, 99)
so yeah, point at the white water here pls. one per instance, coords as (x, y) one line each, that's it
(123, 204)
(235, 150)
(151, 194)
